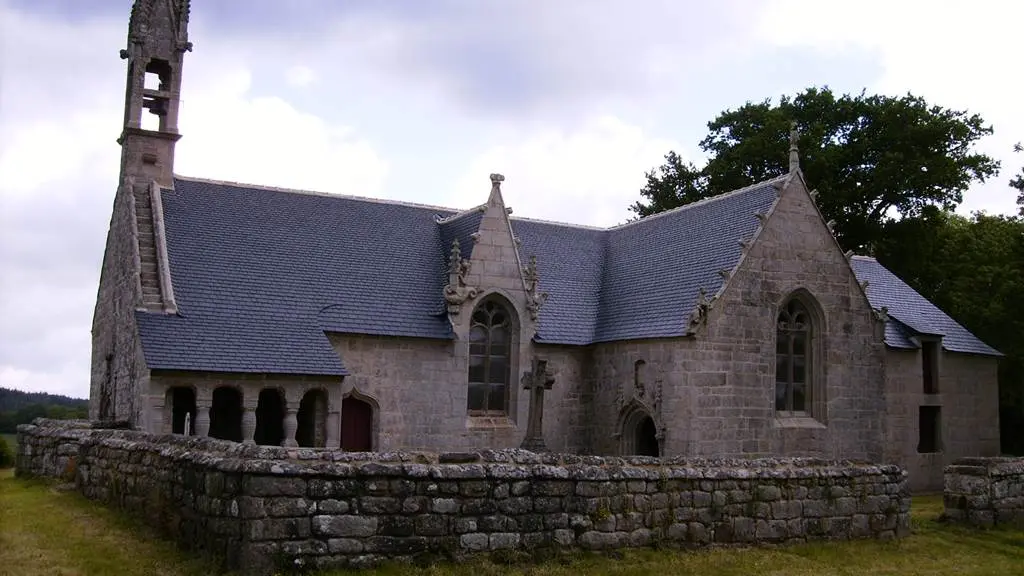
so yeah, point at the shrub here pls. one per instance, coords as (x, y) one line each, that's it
(6, 455)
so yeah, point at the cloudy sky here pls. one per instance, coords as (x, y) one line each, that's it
(419, 100)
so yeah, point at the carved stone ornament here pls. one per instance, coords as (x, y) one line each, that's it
(647, 400)
(699, 315)
(456, 292)
(534, 299)
(882, 314)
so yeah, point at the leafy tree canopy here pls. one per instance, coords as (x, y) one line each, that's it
(1018, 182)
(868, 156)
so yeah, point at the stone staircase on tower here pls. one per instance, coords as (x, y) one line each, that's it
(152, 296)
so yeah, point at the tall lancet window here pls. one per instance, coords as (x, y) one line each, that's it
(490, 352)
(793, 358)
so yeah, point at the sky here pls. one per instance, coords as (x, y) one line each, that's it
(419, 100)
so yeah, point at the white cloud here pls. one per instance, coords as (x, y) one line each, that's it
(955, 55)
(59, 165)
(300, 76)
(230, 135)
(588, 176)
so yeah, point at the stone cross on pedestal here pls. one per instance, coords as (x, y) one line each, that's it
(536, 381)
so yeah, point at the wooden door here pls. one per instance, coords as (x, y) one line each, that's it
(356, 425)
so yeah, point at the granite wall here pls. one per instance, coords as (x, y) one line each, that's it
(985, 492)
(264, 508)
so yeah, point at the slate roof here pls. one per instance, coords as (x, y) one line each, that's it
(912, 314)
(260, 274)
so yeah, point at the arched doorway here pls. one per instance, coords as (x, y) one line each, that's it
(639, 433)
(312, 431)
(269, 418)
(646, 438)
(226, 414)
(356, 425)
(182, 400)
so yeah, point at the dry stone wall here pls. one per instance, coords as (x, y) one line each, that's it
(985, 492)
(264, 508)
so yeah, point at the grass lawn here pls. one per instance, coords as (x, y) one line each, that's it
(45, 531)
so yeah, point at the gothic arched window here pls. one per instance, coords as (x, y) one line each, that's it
(793, 358)
(490, 358)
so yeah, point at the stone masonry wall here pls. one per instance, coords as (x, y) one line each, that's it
(714, 393)
(420, 386)
(985, 492)
(119, 374)
(262, 508)
(968, 400)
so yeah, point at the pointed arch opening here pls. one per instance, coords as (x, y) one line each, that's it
(358, 423)
(492, 337)
(639, 433)
(799, 376)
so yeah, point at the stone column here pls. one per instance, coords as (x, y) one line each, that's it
(249, 424)
(291, 424)
(334, 429)
(204, 402)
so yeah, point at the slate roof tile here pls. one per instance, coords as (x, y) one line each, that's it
(261, 274)
(913, 312)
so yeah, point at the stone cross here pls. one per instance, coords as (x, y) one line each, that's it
(536, 381)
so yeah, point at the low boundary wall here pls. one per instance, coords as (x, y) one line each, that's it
(985, 492)
(264, 508)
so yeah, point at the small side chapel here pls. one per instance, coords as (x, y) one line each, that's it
(734, 326)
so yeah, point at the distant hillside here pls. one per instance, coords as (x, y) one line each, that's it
(17, 407)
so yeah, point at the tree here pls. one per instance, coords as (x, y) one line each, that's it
(973, 269)
(6, 454)
(871, 158)
(1018, 182)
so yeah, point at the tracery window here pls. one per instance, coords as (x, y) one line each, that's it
(490, 352)
(793, 358)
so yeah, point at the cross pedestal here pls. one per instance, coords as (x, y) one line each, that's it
(536, 381)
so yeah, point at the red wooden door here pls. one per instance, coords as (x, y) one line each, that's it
(356, 425)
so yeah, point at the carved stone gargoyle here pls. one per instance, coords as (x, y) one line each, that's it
(456, 292)
(700, 312)
(534, 299)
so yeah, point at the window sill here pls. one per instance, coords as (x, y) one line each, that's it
(489, 422)
(797, 420)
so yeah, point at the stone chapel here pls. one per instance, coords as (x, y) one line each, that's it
(734, 326)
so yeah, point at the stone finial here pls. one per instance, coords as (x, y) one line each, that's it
(794, 151)
(456, 291)
(495, 198)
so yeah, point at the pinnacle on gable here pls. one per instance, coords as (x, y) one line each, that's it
(495, 197)
(794, 151)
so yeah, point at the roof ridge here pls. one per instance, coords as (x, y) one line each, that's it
(301, 192)
(453, 217)
(558, 223)
(703, 201)
(863, 257)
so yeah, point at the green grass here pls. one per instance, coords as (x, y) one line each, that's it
(51, 532)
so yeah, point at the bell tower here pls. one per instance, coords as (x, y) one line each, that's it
(157, 42)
